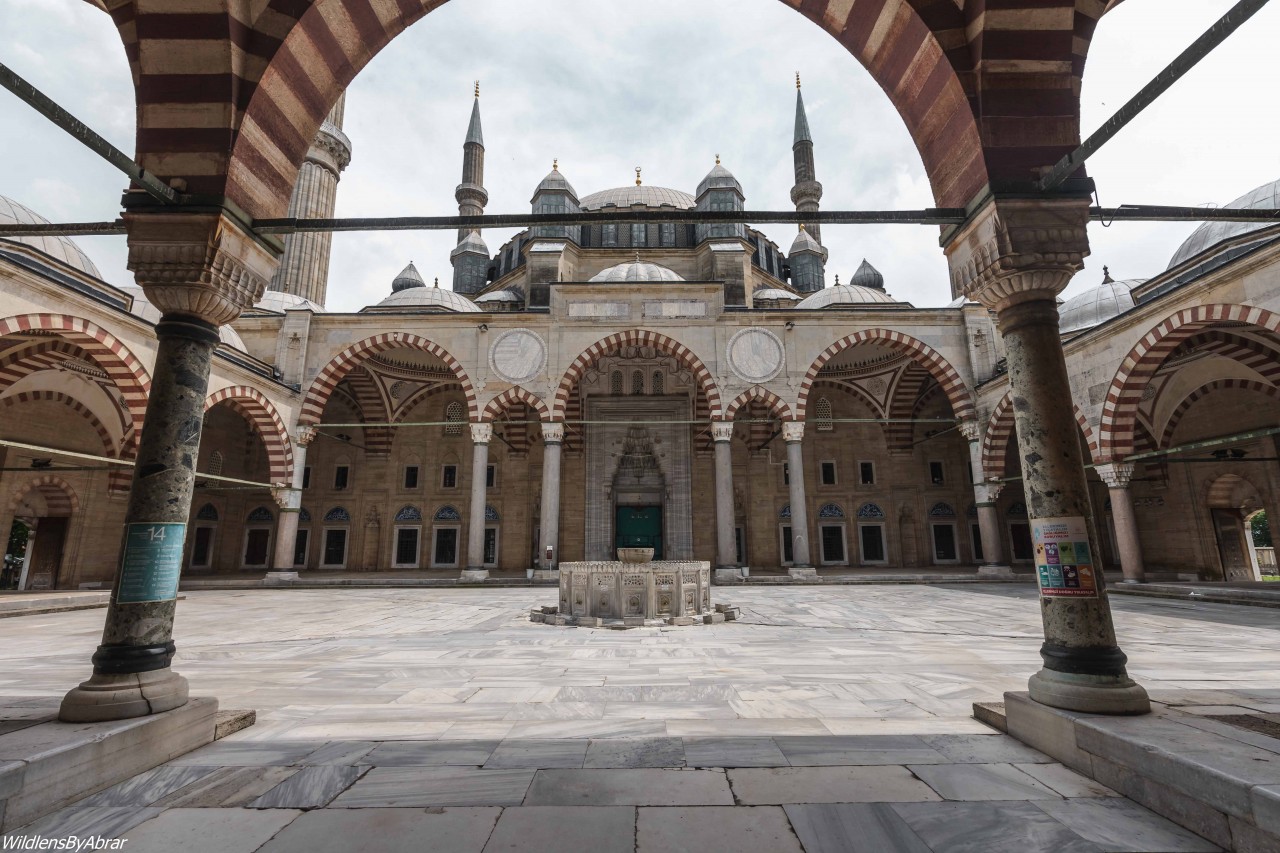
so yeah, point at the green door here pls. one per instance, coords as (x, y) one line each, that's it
(639, 527)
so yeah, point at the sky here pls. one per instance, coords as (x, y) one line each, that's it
(665, 85)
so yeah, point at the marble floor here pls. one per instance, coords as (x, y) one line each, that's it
(824, 719)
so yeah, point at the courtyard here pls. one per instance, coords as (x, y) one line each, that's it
(442, 719)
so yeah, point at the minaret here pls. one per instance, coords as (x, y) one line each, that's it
(807, 191)
(304, 266)
(470, 258)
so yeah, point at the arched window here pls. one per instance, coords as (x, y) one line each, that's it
(942, 510)
(208, 512)
(215, 463)
(1017, 510)
(447, 513)
(831, 511)
(304, 516)
(870, 510)
(822, 414)
(490, 514)
(637, 382)
(456, 415)
(615, 382)
(409, 513)
(657, 388)
(261, 515)
(338, 515)
(785, 512)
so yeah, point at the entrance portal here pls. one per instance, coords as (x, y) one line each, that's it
(639, 527)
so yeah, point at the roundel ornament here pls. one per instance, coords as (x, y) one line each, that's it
(755, 355)
(518, 355)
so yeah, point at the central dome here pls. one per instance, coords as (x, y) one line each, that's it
(1210, 234)
(636, 271)
(60, 248)
(643, 195)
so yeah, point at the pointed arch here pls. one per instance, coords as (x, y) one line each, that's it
(108, 442)
(758, 393)
(58, 495)
(342, 364)
(373, 409)
(1119, 411)
(1000, 431)
(255, 408)
(637, 337)
(418, 396)
(1166, 437)
(515, 396)
(953, 385)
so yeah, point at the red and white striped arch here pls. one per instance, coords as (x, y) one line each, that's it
(1204, 390)
(515, 396)
(953, 386)
(341, 364)
(59, 498)
(759, 394)
(1120, 409)
(255, 408)
(104, 434)
(637, 337)
(999, 432)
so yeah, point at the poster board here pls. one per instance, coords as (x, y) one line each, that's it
(1064, 560)
(152, 563)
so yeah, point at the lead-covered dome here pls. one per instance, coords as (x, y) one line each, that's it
(278, 302)
(846, 294)
(644, 195)
(636, 270)
(59, 248)
(429, 299)
(1098, 304)
(1210, 234)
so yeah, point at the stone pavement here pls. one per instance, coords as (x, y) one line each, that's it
(825, 719)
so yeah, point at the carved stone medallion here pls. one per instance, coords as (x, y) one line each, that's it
(755, 355)
(518, 355)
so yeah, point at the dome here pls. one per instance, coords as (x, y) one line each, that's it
(500, 296)
(719, 178)
(555, 182)
(636, 270)
(1210, 234)
(409, 277)
(143, 308)
(774, 294)
(867, 276)
(278, 302)
(1097, 305)
(643, 195)
(59, 248)
(846, 294)
(421, 296)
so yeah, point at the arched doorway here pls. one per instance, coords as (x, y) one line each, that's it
(43, 508)
(1230, 500)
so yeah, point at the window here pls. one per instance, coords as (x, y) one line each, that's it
(871, 540)
(936, 475)
(609, 234)
(407, 547)
(828, 471)
(740, 546)
(300, 543)
(306, 477)
(832, 537)
(491, 546)
(615, 383)
(786, 473)
(335, 548)
(1020, 535)
(449, 477)
(867, 473)
(215, 463)
(637, 382)
(976, 532)
(256, 542)
(668, 233)
(944, 543)
(637, 234)
(456, 417)
(202, 547)
(444, 553)
(490, 476)
(822, 414)
(411, 476)
(656, 387)
(340, 476)
(788, 555)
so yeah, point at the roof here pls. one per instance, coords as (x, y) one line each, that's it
(845, 294)
(867, 276)
(555, 182)
(61, 249)
(719, 178)
(500, 296)
(409, 278)
(1211, 234)
(431, 298)
(1097, 304)
(474, 133)
(636, 270)
(804, 242)
(766, 293)
(802, 121)
(648, 196)
(279, 301)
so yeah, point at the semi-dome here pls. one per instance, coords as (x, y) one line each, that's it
(636, 270)
(279, 302)
(436, 298)
(409, 277)
(59, 248)
(1210, 234)
(142, 307)
(1098, 304)
(644, 195)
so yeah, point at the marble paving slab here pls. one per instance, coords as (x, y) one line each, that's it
(103, 821)
(844, 827)
(643, 787)
(517, 753)
(786, 785)
(1119, 825)
(309, 788)
(455, 830)
(733, 752)
(208, 830)
(982, 782)
(757, 829)
(390, 787)
(992, 827)
(537, 829)
(858, 749)
(432, 753)
(633, 753)
(145, 788)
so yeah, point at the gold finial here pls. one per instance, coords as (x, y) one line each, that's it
(477, 88)
(797, 79)
(801, 226)
(637, 176)
(437, 284)
(555, 165)
(717, 159)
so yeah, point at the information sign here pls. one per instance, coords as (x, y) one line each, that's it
(1064, 561)
(152, 561)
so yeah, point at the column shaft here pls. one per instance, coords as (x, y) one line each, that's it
(726, 544)
(992, 536)
(475, 529)
(799, 512)
(550, 511)
(1127, 540)
(290, 507)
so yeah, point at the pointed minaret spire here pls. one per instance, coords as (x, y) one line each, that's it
(807, 191)
(470, 258)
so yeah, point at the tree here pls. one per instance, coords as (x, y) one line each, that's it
(1261, 530)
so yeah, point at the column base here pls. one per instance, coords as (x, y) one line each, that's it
(124, 696)
(1090, 694)
(473, 575)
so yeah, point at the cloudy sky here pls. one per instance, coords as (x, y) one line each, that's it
(665, 85)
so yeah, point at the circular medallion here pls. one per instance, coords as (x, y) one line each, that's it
(755, 355)
(518, 355)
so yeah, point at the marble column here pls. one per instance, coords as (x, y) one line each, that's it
(480, 436)
(290, 503)
(1117, 476)
(200, 269)
(726, 545)
(1014, 256)
(552, 439)
(994, 560)
(793, 434)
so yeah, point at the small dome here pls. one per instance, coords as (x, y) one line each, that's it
(421, 297)
(408, 278)
(555, 182)
(636, 270)
(867, 276)
(278, 301)
(845, 294)
(719, 178)
(143, 308)
(1210, 234)
(499, 296)
(59, 248)
(644, 195)
(804, 242)
(774, 294)
(1097, 305)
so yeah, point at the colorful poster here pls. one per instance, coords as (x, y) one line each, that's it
(152, 562)
(1063, 563)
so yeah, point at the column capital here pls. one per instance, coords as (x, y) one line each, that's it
(1018, 249)
(280, 495)
(552, 432)
(792, 431)
(971, 430)
(722, 430)
(203, 264)
(986, 493)
(1117, 475)
(304, 435)
(481, 433)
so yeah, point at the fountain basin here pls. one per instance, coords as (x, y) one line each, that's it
(660, 592)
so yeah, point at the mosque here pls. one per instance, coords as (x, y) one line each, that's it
(694, 388)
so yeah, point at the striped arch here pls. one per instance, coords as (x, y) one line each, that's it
(342, 364)
(250, 404)
(1000, 431)
(1120, 409)
(1209, 387)
(1252, 354)
(515, 396)
(637, 337)
(120, 365)
(374, 409)
(758, 393)
(104, 434)
(412, 401)
(902, 404)
(957, 392)
(58, 495)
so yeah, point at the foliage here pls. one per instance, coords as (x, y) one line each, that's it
(1260, 530)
